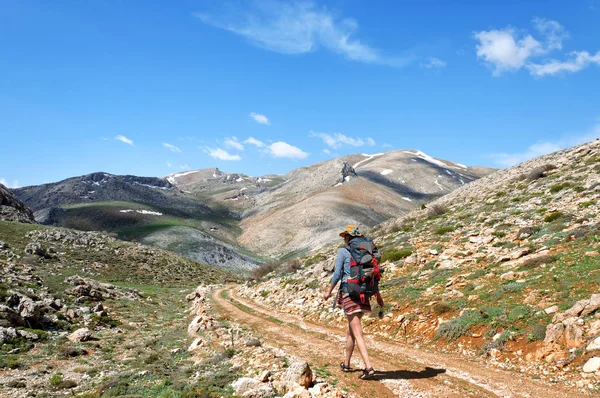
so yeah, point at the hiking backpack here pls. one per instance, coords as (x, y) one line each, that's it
(363, 282)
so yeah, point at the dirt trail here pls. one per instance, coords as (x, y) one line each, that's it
(403, 371)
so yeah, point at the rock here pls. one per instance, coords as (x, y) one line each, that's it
(508, 276)
(3, 245)
(593, 305)
(11, 316)
(573, 333)
(252, 342)
(7, 334)
(594, 345)
(196, 344)
(299, 373)
(251, 388)
(411, 260)
(551, 310)
(519, 253)
(80, 335)
(16, 384)
(297, 393)
(592, 366)
(554, 332)
(35, 248)
(574, 311)
(264, 376)
(28, 335)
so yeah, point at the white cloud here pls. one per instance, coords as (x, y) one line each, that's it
(509, 49)
(15, 183)
(234, 143)
(502, 50)
(170, 147)
(282, 149)
(254, 141)
(169, 164)
(124, 139)
(220, 154)
(552, 31)
(260, 118)
(336, 140)
(544, 148)
(577, 61)
(326, 151)
(433, 63)
(297, 27)
(184, 167)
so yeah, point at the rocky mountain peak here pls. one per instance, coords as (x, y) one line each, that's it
(12, 209)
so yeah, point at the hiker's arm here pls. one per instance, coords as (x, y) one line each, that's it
(337, 275)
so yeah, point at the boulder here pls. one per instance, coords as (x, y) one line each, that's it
(592, 366)
(80, 335)
(7, 334)
(594, 345)
(35, 248)
(299, 373)
(551, 310)
(554, 332)
(593, 305)
(573, 333)
(251, 388)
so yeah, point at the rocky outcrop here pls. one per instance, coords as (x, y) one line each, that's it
(91, 290)
(12, 209)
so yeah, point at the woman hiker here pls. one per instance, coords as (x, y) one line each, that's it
(354, 309)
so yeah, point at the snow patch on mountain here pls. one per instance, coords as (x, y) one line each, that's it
(368, 157)
(386, 172)
(149, 212)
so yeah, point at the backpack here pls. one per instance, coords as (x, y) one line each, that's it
(363, 282)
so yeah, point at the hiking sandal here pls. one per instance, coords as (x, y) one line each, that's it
(345, 368)
(367, 374)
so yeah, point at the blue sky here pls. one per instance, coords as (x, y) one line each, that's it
(153, 88)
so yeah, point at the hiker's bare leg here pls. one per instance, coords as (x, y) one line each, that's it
(357, 332)
(349, 345)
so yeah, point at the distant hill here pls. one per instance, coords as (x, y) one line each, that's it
(233, 220)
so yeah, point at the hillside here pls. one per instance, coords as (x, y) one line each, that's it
(145, 209)
(299, 211)
(79, 310)
(234, 221)
(12, 209)
(504, 270)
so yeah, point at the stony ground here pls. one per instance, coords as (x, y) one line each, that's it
(505, 271)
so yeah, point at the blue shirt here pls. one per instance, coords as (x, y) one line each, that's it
(342, 263)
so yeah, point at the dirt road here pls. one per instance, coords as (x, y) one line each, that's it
(401, 371)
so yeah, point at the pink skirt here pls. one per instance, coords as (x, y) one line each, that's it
(352, 306)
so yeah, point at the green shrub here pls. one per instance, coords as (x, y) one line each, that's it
(457, 327)
(395, 254)
(559, 187)
(537, 333)
(585, 205)
(265, 293)
(499, 234)
(56, 379)
(442, 308)
(445, 229)
(554, 216)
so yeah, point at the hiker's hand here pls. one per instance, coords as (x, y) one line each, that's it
(326, 295)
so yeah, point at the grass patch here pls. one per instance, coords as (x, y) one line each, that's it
(396, 254)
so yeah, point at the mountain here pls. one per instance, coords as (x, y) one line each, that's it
(314, 203)
(12, 209)
(146, 209)
(505, 269)
(234, 220)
